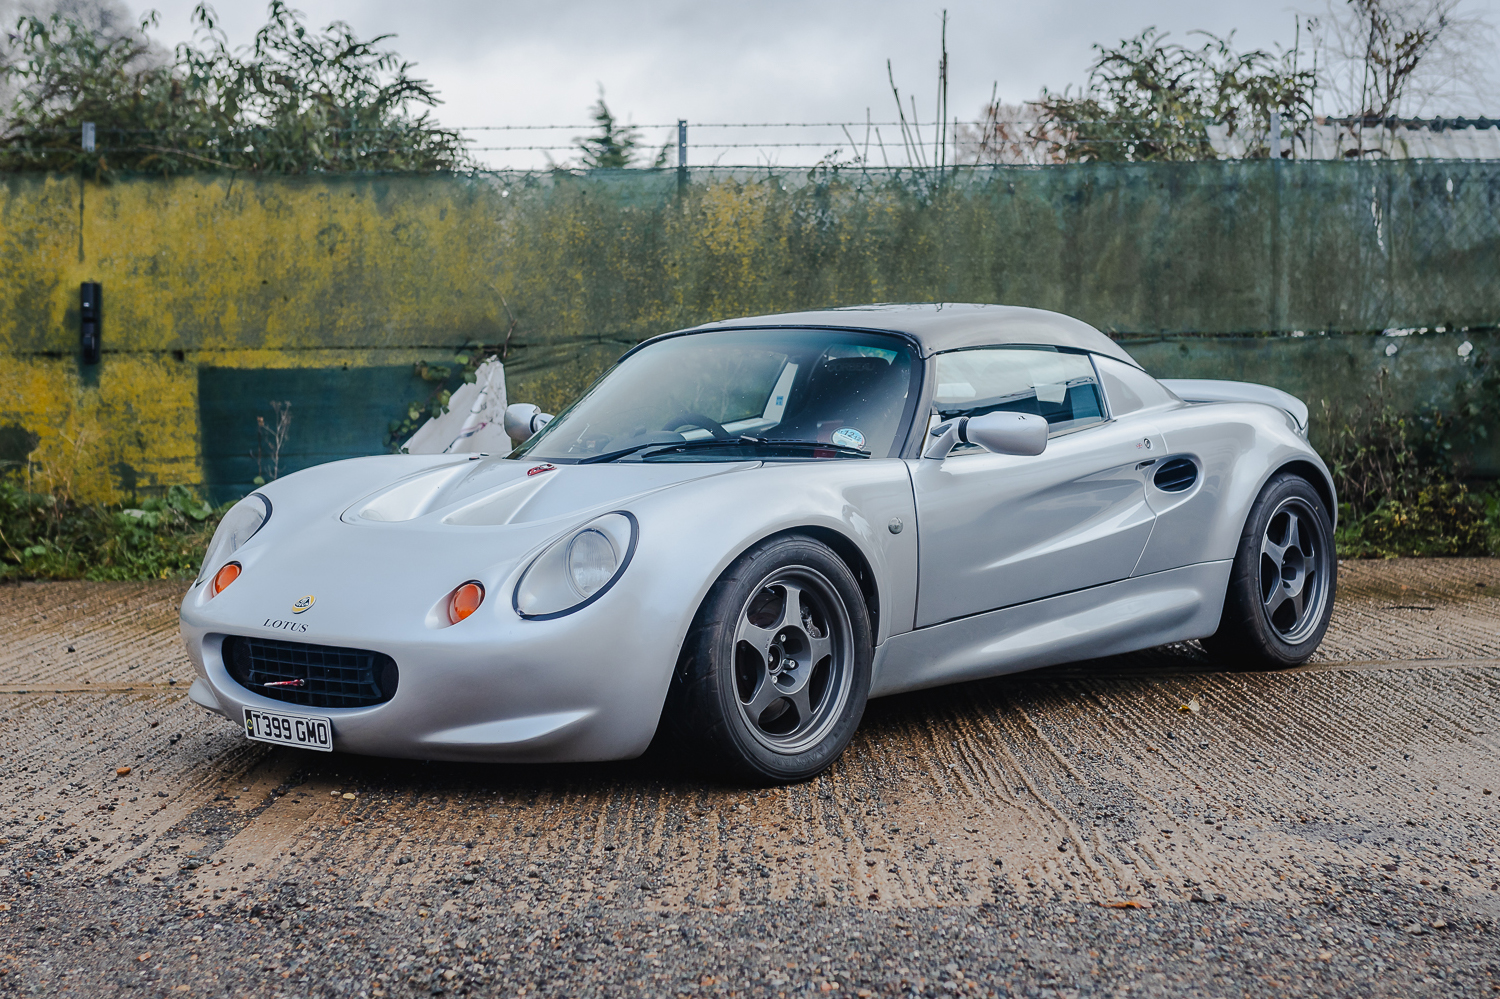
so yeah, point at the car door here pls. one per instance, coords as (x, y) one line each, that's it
(1187, 481)
(996, 530)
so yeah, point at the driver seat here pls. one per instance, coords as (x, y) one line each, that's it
(859, 392)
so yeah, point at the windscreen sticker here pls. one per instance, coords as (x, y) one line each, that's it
(849, 437)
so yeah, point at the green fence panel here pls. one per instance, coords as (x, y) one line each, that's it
(335, 413)
(229, 273)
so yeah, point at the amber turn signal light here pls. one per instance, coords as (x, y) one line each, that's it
(225, 576)
(465, 601)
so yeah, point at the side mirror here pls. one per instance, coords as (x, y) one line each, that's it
(1001, 433)
(522, 419)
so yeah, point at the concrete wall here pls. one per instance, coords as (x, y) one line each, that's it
(222, 293)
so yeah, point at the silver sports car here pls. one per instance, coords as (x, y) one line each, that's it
(742, 531)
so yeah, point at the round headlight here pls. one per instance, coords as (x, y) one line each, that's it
(591, 561)
(239, 525)
(577, 568)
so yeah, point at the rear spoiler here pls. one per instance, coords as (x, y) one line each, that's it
(1211, 390)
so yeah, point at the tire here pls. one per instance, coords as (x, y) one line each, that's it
(769, 693)
(1285, 574)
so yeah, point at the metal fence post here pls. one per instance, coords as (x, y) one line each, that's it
(1280, 290)
(86, 140)
(682, 176)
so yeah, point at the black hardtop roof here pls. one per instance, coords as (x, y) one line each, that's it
(941, 326)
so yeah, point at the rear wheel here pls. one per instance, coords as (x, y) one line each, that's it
(1281, 589)
(775, 673)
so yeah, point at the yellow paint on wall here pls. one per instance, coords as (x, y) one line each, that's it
(218, 263)
(228, 271)
(101, 439)
(223, 272)
(130, 425)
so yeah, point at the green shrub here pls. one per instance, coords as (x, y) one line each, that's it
(47, 536)
(1402, 478)
(1441, 519)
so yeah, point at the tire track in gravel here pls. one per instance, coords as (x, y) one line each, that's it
(1341, 764)
(103, 623)
(979, 752)
(98, 820)
(1018, 737)
(950, 796)
(1161, 866)
(1373, 618)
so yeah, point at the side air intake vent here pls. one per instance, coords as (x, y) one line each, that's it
(1176, 475)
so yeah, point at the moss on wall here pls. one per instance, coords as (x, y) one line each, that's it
(225, 273)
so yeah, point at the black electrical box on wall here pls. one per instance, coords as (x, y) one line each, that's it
(91, 314)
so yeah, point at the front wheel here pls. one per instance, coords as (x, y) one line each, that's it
(775, 673)
(1281, 588)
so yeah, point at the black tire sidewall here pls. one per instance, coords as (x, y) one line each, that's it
(1244, 633)
(712, 693)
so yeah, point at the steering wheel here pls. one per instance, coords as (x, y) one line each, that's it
(696, 420)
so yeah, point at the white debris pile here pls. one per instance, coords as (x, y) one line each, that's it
(474, 422)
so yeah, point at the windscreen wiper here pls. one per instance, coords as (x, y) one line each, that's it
(744, 440)
(853, 452)
(595, 459)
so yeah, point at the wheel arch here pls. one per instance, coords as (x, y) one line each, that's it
(1318, 478)
(849, 553)
(842, 545)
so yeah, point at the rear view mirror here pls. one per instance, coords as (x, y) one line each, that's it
(1000, 433)
(1008, 433)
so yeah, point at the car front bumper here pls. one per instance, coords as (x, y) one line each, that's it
(585, 687)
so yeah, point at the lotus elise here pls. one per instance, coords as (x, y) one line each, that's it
(743, 531)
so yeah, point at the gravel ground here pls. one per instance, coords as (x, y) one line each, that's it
(1143, 825)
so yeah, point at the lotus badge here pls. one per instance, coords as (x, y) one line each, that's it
(303, 603)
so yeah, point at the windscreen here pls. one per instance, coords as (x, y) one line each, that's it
(832, 387)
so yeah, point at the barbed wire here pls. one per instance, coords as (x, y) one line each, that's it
(978, 123)
(909, 144)
(568, 148)
(1184, 122)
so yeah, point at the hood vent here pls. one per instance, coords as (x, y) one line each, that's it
(414, 496)
(1176, 475)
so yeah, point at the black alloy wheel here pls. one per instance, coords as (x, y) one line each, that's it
(1282, 584)
(774, 675)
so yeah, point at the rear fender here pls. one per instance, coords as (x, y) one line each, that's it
(1213, 390)
(1237, 447)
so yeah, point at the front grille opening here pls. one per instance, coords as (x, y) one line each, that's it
(316, 676)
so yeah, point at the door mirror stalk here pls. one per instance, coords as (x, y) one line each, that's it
(999, 432)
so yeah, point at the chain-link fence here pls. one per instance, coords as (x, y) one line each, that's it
(1193, 263)
(1215, 247)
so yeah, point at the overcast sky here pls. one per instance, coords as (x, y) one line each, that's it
(507, 63)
